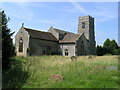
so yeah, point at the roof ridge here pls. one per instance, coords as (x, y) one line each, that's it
(35, 30)
(62, 30)
(41, 34)
(69, 38)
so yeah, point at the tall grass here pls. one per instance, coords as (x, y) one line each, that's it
(35, 72)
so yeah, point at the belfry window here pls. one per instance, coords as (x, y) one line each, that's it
(21, 45)
(83, 25)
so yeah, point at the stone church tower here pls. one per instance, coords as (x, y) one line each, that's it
(86, 26)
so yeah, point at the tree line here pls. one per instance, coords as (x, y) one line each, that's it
(109, 47)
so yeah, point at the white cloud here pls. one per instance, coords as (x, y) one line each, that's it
(27, 12)
(79, 7)
(76, 9)
(21, 11)
(104, 12)
(101, 12)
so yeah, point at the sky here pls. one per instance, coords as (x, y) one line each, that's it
(64, 15)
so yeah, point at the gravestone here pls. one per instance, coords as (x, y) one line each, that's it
(112, 67)
(90, 57)
(56, 77)
(73, 58)
(100, 67)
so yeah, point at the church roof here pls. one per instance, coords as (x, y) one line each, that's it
(70, 38)
(40, 34)
(61, 31)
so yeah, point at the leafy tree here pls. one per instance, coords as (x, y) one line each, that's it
(110, 46)
(113, 46)
(100, 50)
(8, 49)
(106, 45)
(116, 51)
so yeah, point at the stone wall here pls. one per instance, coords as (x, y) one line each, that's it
(88, 31)
(82, 46)
(25, 36)
(51, 30)
(43, 47)
(69, 47)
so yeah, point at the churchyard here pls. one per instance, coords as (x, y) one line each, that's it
(60, 72)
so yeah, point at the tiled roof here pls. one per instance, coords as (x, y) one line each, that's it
(40, 34)
(70, 38)
(61, 31)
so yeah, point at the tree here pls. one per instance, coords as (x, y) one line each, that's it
(113, 46)
(100, 50)
(106, 45)
(116, 51)
(109, 46)
(8, 49)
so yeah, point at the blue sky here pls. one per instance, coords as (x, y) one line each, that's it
(64, 15)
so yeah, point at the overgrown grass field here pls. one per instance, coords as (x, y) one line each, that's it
(35, 72)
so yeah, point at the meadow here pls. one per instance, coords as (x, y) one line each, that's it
(35, 72)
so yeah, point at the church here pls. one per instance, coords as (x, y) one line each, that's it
(30, 42)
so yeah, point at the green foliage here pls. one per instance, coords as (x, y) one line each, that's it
(8, 49)
(113, 45)
(35, 72)
(109, 46)
(107, 43)
(116, 51)
(100, 50)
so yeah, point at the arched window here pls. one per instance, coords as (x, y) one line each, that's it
(49, 48)
(83, 25)
(82, 48)
(82, 42)
(21, 45)
(66, 52)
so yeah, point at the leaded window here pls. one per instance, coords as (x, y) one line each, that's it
(21, 45)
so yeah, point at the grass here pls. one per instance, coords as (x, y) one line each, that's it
(35, 72)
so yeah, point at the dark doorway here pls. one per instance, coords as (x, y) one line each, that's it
(66, 52)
